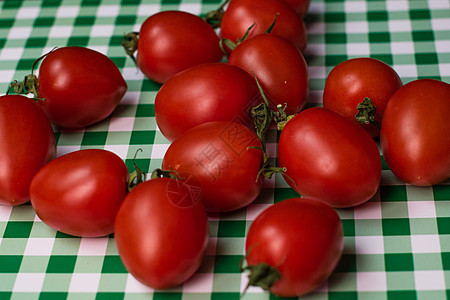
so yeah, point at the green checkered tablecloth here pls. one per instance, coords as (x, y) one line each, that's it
(397, 246)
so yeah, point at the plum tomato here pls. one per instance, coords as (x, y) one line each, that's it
(172, 41)
(80, 86)
(203, 93)
(79, 193)
(415, 132)
(241, 14)
(223, 156)
(297, 243)
(27, 143)
(329, 158)
(162, 232)
(350, 82)
(279, 67)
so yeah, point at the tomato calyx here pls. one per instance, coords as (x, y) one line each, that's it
(367, 113)
(30, 84)
(281, 118)
(130, 44)
(262, 275)
(137, 176)
(214, 17)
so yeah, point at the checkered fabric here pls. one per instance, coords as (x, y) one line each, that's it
(397, 246)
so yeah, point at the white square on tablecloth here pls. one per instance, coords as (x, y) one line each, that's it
(438, 4)
(399, 25)
(398, 5)
(28, 13)
(84, 282)
(5, 212)
(429, 280)
(406, 71)
(67, 11)
(60, 31)
(444, 69)
(6, 76)
(19, 32)
(356, 27)
(402, 48)
(158, 151)
(425, 243)
(102, 30)
(120, 150)
(369, 245)
(121, 124)
(93, 246)
(371, 281)
(108, 10)
(193, 8)
(29, 282)
(62, 150)
(11, 53)
(146, 10)
(358, 49)
(135, 286)
(132, 73)
(440, 24)
(421, 209)
(199, 283)
(39, 246)
(355, 6)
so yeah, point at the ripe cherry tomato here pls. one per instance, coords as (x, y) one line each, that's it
(299, 240)
(162, 232)
(241, 14)
(329, 158)
(80, 193)
(203, 93)
(80, 86)
(415, 133)
(27, 143)
(355, 79)
(279, 67)
(172, 41)
(222, 156)
(300, 6)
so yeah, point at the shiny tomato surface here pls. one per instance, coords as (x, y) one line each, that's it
(301, 239)
(80, 86)
(172, 41)
(329, 158)
(80, 193)
(27, 143)
(415, 133)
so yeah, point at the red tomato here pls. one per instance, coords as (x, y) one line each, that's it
(207, 92)
(172, 41)
(220, 155)
(27, 143)
(300, 6)
(329, 158)
(355, 79)
(301, 240)
(415, 133)
(80, 193)
(279, 67)
(161, 232)
(241, 14)
(80, 86)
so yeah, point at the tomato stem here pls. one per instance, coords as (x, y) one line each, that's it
(130, 44)
(159, 173)
(269, 30)
(281, 118)
(137, 176)
(367, 113)
(262, 275)
(214, 17)
(30, 84)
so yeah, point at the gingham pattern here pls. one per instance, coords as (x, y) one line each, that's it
(397, 246)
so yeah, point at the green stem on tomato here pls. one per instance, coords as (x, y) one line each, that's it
(367, 113)
(130, 44)
(214, 17)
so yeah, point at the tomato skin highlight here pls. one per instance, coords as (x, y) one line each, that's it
(302, 239)
(415, 133)
(204, 93)
(27, 143)
(80, 86)
(241, 14)
(329, 158)
(351, 81)
(161, 244)
(222, 157)
(172, 41)
(279, 67)
(80, 193)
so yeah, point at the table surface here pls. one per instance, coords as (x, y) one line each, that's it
(397, 245)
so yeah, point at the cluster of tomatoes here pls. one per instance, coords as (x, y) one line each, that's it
(216, 114)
